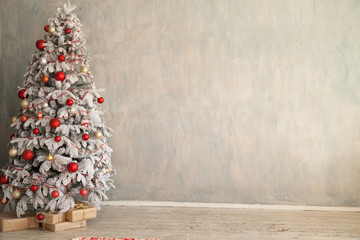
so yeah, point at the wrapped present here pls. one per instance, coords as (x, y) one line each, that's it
(65, 225)
(50, 217)
(10, 222)
(81, 212)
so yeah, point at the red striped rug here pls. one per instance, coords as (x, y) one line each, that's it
(106, 238)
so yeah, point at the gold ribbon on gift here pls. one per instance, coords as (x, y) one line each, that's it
(45, 213)
(82, 206)
(45, 217)
(60, 219)
(43, 222)
(29, 222)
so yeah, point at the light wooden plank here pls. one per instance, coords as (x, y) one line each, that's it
(229, 205)
(209, 223)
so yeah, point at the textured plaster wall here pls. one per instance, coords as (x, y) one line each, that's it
(215, 101)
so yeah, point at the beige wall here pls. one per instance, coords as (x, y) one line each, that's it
(215, 101)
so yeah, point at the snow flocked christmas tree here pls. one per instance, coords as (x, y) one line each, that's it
(59, 155)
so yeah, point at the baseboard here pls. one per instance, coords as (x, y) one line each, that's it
(229, 205)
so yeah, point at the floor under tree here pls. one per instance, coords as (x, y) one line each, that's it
(208, 223)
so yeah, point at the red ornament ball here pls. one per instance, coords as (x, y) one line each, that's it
(45, 79)
(40, 216)
(28, 155)
(85, 137)
(61, 58)
(4, 201)
(12, 136)
(40, 44)
(72, 167)
(54, 123)
(67, 30)
(46, 28)
(24, 118)
(100, 100)
(36, 131)
(57, 139)
(83, 192)
(69, 102)
(21, 94)
(85, 124)
(34, 188)
(54, 194)
(60, 76)
(4, 180)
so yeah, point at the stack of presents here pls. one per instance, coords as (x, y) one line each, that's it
(53, 221)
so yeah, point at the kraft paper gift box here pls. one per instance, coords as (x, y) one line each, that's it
(65, 225)
(51, 218)
(82, 212)
(10, 222)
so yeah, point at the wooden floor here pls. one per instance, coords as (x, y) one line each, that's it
(204, 223)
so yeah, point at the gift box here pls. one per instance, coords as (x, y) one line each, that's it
(10, 222)
(81, 212)
(65, 225)
(51, 217)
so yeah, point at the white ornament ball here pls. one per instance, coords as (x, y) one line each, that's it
(25, 103)
(51, 29)
(45, 105)
(16, 194)
(13, 152)
(98, 134)
(84, 69)
(43, 61)
(13, 119)
(72, 110)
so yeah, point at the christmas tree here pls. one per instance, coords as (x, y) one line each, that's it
(59, 156)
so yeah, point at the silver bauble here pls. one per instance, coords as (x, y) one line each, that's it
(13, 152)
(72, 110)
(98, 134)
(16, 194)
(43, 61)
(25, 103)
(45, 105)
